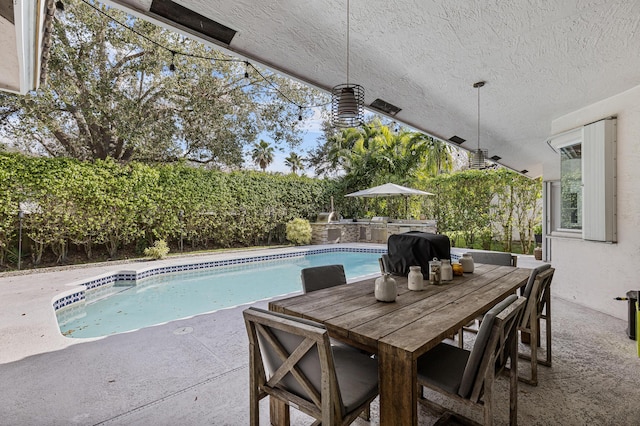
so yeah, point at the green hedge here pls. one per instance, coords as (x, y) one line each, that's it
(477, 208)
(113, 209)
(103, 205)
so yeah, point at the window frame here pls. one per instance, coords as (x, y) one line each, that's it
(598, 180)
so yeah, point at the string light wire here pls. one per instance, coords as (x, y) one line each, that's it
(208, 58)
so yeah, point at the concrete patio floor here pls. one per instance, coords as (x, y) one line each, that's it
(194, 371)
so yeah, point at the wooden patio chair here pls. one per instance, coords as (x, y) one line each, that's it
(489, 258)
(292, 360)
(319, 277)
(494, 258)
(385, 264)
(468, 376)
(538, 294)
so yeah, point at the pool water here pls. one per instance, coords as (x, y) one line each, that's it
(129, 305)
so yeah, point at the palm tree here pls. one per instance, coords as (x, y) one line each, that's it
(262, 154)
(294, 162)
(439, 158)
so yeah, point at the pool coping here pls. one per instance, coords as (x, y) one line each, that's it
(28, 324)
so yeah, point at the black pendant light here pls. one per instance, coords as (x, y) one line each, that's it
(347, 100)
(479, 156)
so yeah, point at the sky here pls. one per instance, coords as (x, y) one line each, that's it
(312, 130)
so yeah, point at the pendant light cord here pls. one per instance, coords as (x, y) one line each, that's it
(478, 85)
(347, 42)
(479, 117)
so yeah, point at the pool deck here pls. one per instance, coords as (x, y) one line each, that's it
(28, 324)
(195, 371)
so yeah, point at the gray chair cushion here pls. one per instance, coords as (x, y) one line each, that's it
(319, 277)
(310, 363)
(357, 373)
(479, 346)
(357, 376)
(491, 257)
(532, 278)
(443, 367)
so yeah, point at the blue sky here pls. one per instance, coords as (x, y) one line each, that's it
(312, 129)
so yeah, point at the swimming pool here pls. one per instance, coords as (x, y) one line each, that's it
(127, 304)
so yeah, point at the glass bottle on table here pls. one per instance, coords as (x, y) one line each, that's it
(434, 271)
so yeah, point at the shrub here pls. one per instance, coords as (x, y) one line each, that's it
(299, 231)
(159, 250)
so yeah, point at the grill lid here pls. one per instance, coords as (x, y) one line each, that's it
(326, 217)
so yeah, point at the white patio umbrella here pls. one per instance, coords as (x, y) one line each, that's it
(389, 190)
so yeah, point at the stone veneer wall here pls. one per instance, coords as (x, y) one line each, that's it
(364, 232)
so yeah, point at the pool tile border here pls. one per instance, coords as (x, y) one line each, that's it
(79, 296)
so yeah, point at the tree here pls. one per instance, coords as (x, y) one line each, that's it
(528, 212)
(394, 154)
(294, 162)
(262, 154)
(111, 93)
(439, 157)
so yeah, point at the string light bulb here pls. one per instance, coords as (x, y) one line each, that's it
(214, 59)
(172, 67)
(299, 113)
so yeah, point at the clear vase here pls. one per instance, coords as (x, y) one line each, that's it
(435, 276)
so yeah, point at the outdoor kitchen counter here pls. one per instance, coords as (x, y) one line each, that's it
(348, 231)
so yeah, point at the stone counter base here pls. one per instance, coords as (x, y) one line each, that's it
(364, 232)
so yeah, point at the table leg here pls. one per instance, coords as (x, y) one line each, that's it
(278, 412)
(513, 388)
(398, 386)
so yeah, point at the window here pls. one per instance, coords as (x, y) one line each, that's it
(587, 199)
(571, 186)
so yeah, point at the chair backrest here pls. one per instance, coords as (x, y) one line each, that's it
(536, 296)
(386, 265)
(491, 348)
(291, 358)
(494, 258)
(319, 277)
(532, 277)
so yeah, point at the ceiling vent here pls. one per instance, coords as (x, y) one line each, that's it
(457, 139)
(386, 107)
(6, 11)
(524, 172)
(194, 21)
(496, 158)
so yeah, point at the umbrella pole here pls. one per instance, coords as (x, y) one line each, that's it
(406, 207)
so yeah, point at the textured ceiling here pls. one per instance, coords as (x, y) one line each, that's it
(540, 59)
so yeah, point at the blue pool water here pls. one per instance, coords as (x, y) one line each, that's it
(168, 297)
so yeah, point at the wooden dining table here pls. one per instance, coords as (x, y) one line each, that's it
(401, 331)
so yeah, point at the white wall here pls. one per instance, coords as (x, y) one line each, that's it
(592, 273)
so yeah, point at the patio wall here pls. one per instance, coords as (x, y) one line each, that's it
(593, 273)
